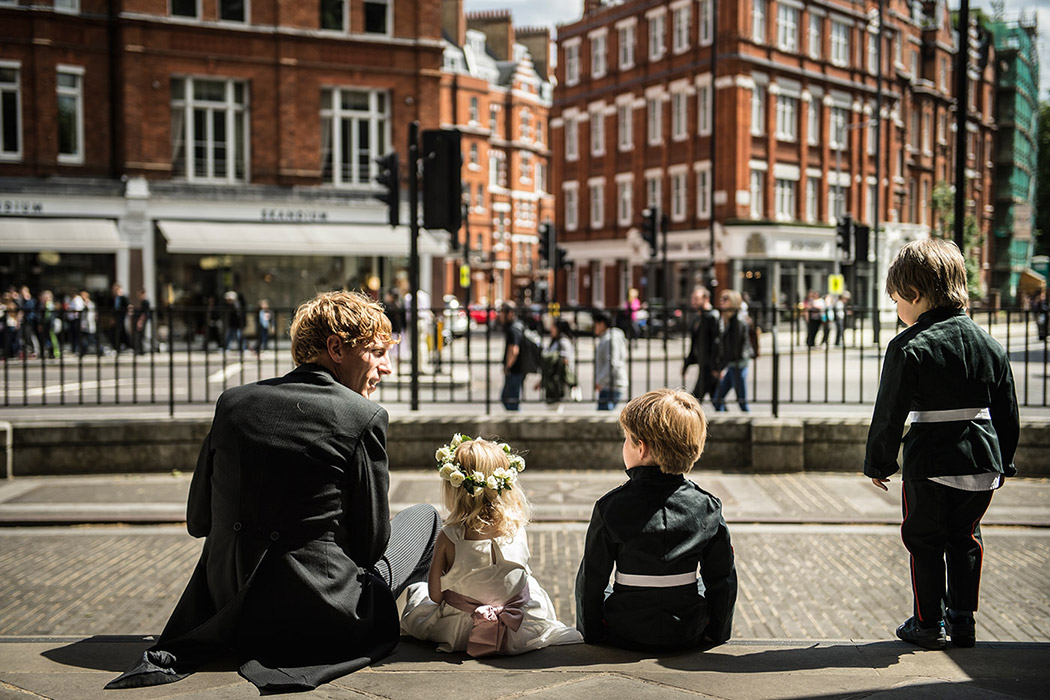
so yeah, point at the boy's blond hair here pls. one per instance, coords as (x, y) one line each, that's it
(673, 425)
(497, 514)
(352, 316)
(934, 268)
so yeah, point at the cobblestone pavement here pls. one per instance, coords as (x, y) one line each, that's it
(818, 582)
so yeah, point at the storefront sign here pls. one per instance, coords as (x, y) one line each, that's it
(294, 215)
(20, 207)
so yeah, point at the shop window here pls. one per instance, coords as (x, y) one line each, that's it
(355, 130)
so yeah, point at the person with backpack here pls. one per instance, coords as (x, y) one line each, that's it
(734, 351)
(513, 364)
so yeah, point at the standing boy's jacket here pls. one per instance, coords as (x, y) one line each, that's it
(956, 383)
(656, 525)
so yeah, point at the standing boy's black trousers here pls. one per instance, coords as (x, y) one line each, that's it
(942, 526)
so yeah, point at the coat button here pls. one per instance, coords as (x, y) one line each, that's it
(236, 527)
(275, 536)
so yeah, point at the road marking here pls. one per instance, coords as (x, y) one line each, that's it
(225, 373)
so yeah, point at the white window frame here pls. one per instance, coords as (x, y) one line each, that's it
(838, 195)
(599, 54)
(474, 111)
(679, 115)
(12, 88)
(654, 189)
(873, 53)
(625, 44)
(703, 189)
(389, 23)
(787, 27)
(69, 7)
(756, 186)
(525, 167)
(815, 36)
(813, 123)
(927, 141)
(837, 128)
(77, 94)
(233, 112)
(247, 13)
(787, 118)
(869, 206)
(679, 193)
(873, 125)
(571, 198)
(758, 110)
(624, 124)
(785, 199)
(378, 133)
(703, 108)
(681, 23)
(596, 202)
(345, 12)
(654, 110)
(812, 198)
(624, 198)
(839, 43)
(597, 121)
(704, 29)
(572, 137)
(657, 34)
(572, 61)
(759, 10)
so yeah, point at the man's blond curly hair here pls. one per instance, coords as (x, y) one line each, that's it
(352, 316)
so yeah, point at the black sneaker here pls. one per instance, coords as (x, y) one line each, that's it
(925, 637)
(962, 630)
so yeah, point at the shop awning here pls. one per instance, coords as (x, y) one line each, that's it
(18, 235)
(1030, 281)
(225, 238)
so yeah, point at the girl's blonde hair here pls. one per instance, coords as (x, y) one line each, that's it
(494, 513)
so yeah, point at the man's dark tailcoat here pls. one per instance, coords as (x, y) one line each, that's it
(290, 491)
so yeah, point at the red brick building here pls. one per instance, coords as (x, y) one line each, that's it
(496, 90)
(763, 126)
(197, 146)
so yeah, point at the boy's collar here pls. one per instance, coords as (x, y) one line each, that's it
(648, 471)
(938, 313)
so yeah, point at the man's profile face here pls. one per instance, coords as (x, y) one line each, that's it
(364, 366)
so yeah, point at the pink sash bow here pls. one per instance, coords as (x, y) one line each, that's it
(488, 636)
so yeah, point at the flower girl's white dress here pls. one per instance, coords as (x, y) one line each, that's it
(492, 572)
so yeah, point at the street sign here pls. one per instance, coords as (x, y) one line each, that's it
(464, 276)
(836, 284)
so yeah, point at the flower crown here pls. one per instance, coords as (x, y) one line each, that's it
(475, 483)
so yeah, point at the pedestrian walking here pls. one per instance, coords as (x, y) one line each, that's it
(953, 382)
(733, 352)
(610, 362)
(513, 367)
(703, 338)
(120, 319)
(558, 366)
(265, 317)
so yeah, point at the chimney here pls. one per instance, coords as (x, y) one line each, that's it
(538, 41)
(498, 31)
(591, 6)
(453, 21)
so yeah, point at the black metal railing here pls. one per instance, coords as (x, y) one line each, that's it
(189, 355)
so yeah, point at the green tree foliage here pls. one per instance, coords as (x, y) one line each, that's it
(944, 210)
(1042, 183)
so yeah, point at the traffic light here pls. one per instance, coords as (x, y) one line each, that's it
(546, 236)
(389, 177)
(844, 235)
(650, 217)
(560, 255)
(860, 242)
(442, 180)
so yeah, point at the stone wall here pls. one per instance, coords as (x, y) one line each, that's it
(553, 442)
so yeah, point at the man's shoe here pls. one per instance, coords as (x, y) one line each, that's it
(925, 637)
(962, 630)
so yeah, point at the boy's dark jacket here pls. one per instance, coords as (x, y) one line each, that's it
(656, 524)
(944, 361)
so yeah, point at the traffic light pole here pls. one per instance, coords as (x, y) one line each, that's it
(665, 228)
(413, 257)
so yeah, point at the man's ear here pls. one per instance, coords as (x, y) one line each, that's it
(334, 345)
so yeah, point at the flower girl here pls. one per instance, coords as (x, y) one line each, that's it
(480, 595)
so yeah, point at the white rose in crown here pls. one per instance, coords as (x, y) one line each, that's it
(443, 454)
(446, 471)
(492, 483)
(517, 462)
(456, 478)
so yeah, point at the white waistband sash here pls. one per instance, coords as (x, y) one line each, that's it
(655, 581)
(949, 415)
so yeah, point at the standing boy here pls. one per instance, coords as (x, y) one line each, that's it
(675, 582)
(953, 381)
